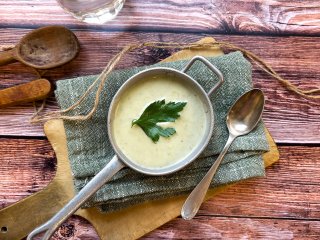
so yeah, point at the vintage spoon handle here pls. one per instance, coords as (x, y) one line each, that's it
(28, 92)
(196, 197)
(6, 57)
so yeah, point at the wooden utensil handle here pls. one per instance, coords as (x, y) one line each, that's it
(28, 92)
(6, 57)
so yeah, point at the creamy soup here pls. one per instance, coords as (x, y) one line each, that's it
(190, 126)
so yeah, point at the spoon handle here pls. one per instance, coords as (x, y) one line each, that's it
(6, 57)
(27, 92)
(196, 197)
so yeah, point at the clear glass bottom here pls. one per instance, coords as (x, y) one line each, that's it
(92, 11)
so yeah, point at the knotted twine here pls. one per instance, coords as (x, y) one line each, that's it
(103, 76)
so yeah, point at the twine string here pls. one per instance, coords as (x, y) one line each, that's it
(6, 47)
(101, 79)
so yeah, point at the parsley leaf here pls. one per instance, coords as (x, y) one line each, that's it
(156, 112)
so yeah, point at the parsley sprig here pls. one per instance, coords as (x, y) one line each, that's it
(157, 112)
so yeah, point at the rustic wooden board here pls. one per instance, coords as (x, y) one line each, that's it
(219, 16)
(285, 113)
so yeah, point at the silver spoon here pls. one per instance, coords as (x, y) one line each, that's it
(242, 118)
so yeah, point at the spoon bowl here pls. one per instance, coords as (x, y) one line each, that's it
(44, 48)
(242, 118)
(245, 113)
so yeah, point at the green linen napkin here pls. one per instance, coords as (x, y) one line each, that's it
(90, 150)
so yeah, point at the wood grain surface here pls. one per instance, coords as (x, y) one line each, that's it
(219, 16)
(284, 193)
(293, 57)
(288, 193)
(285, 204)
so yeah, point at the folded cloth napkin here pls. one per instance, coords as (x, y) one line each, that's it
(90, 150)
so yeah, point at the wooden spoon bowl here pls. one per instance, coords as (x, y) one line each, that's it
(44, 48)
(47, 47)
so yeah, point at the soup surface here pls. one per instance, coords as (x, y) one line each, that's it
(190, 126)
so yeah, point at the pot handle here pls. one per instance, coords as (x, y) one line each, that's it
(100, 179)
(215, 70)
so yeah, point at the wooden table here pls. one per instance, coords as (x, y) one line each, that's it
(285, 204)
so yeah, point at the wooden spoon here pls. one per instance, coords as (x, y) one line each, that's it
(43, 48)
(28, 92)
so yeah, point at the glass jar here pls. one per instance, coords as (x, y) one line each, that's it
(92, 11)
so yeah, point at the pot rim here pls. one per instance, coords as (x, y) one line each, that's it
(194, 153)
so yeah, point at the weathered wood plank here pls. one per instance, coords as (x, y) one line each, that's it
(285, 203)
(237, 228)
(26, 166)
(288, 191)
(204, 227)
(207, 228)
(220, 16)
(286, 114)
(74, 228)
